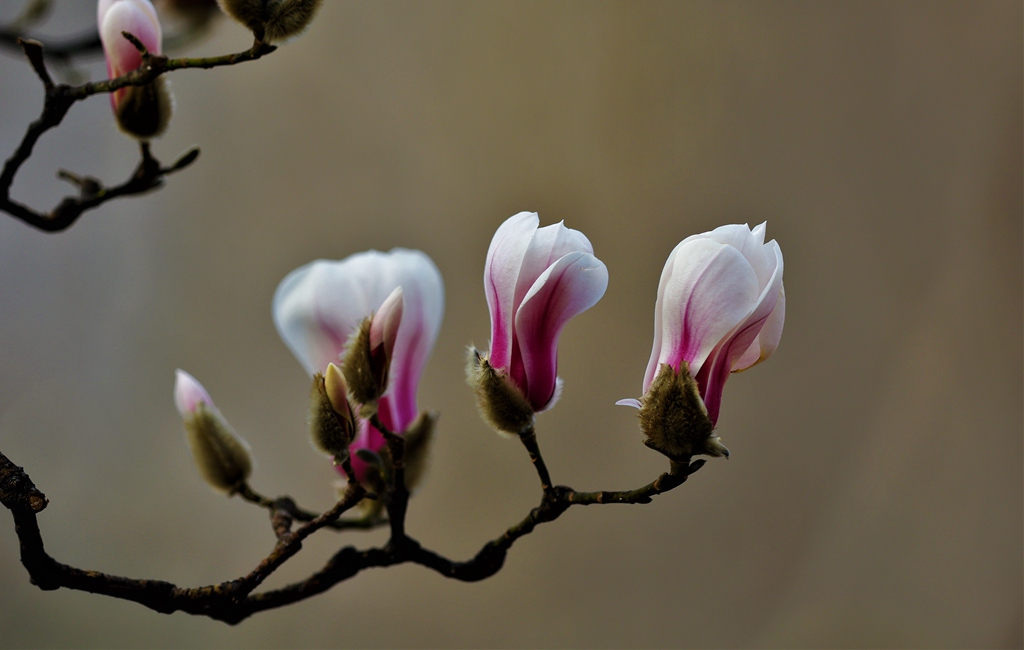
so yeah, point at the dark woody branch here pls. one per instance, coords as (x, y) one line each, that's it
(57, 102)
(233, 601)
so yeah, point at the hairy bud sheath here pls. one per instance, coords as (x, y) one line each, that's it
(223, 458)
(673, 417)
(272, 20)
(332, 424)
(501, 403)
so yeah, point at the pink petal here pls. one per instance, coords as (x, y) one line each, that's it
(137, 17)
(189, 393)
(569, 287)
(501, 274)
(712, 376)
(707, 290)
(384, 327)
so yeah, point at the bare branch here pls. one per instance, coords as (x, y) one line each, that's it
(58, 100)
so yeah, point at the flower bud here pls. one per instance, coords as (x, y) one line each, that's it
(141, 111)
(272, 20)
(501, 403)
(222, 457)
(418, 438)
(367, 361)
(674, 419)
(332, 424)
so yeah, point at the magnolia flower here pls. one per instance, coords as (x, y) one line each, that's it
(720, 309)
(536, 280)
(141, 111)
(319, 306)
(222, 457)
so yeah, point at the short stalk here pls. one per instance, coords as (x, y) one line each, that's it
(529, 439)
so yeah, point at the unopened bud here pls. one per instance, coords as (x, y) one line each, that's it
(223, 458)
(674, 418)
(418, 438)
(501, 403)
(272, 20)
(367, 361)
(141, 111)
(332, 424)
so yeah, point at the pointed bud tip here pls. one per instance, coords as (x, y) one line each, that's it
(189, 393)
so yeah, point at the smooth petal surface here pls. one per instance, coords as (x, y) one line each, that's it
(710, 290)
(189, 393)
(570, 286)
(720, 307)
(501, 275)
(137, 17)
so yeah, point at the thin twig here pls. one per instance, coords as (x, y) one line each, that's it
(529, 440)
(58, 100)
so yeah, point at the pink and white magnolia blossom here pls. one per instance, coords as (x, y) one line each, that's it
(318, 306)
(536, 280)
(721, 307)
(139, 18)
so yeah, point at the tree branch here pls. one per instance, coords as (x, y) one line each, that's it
(57, 102)
(233, 601)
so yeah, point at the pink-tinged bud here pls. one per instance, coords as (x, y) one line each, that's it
(536, 280)
(384, 326)
(721, 307)
(189, 393)
(141, 111)
(222, 457)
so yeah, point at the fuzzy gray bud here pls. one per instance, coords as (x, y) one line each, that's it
(272, 20)
(674, 419)
(501, 403)
(222, 457)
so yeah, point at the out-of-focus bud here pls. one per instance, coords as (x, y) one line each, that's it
(141, 111)
(673, 417)
(501, 403)
(367, 360)
(223, 458)
(332, 424)
(186, 20)
(272, 20)
(418, 438)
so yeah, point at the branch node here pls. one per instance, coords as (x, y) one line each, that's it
(34, 51)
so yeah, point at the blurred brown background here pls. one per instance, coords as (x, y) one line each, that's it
(874, 497)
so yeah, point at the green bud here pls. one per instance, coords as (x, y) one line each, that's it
(332, 425)
(365, 369)
(674, 419)
(222, 457)
(501, 403)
